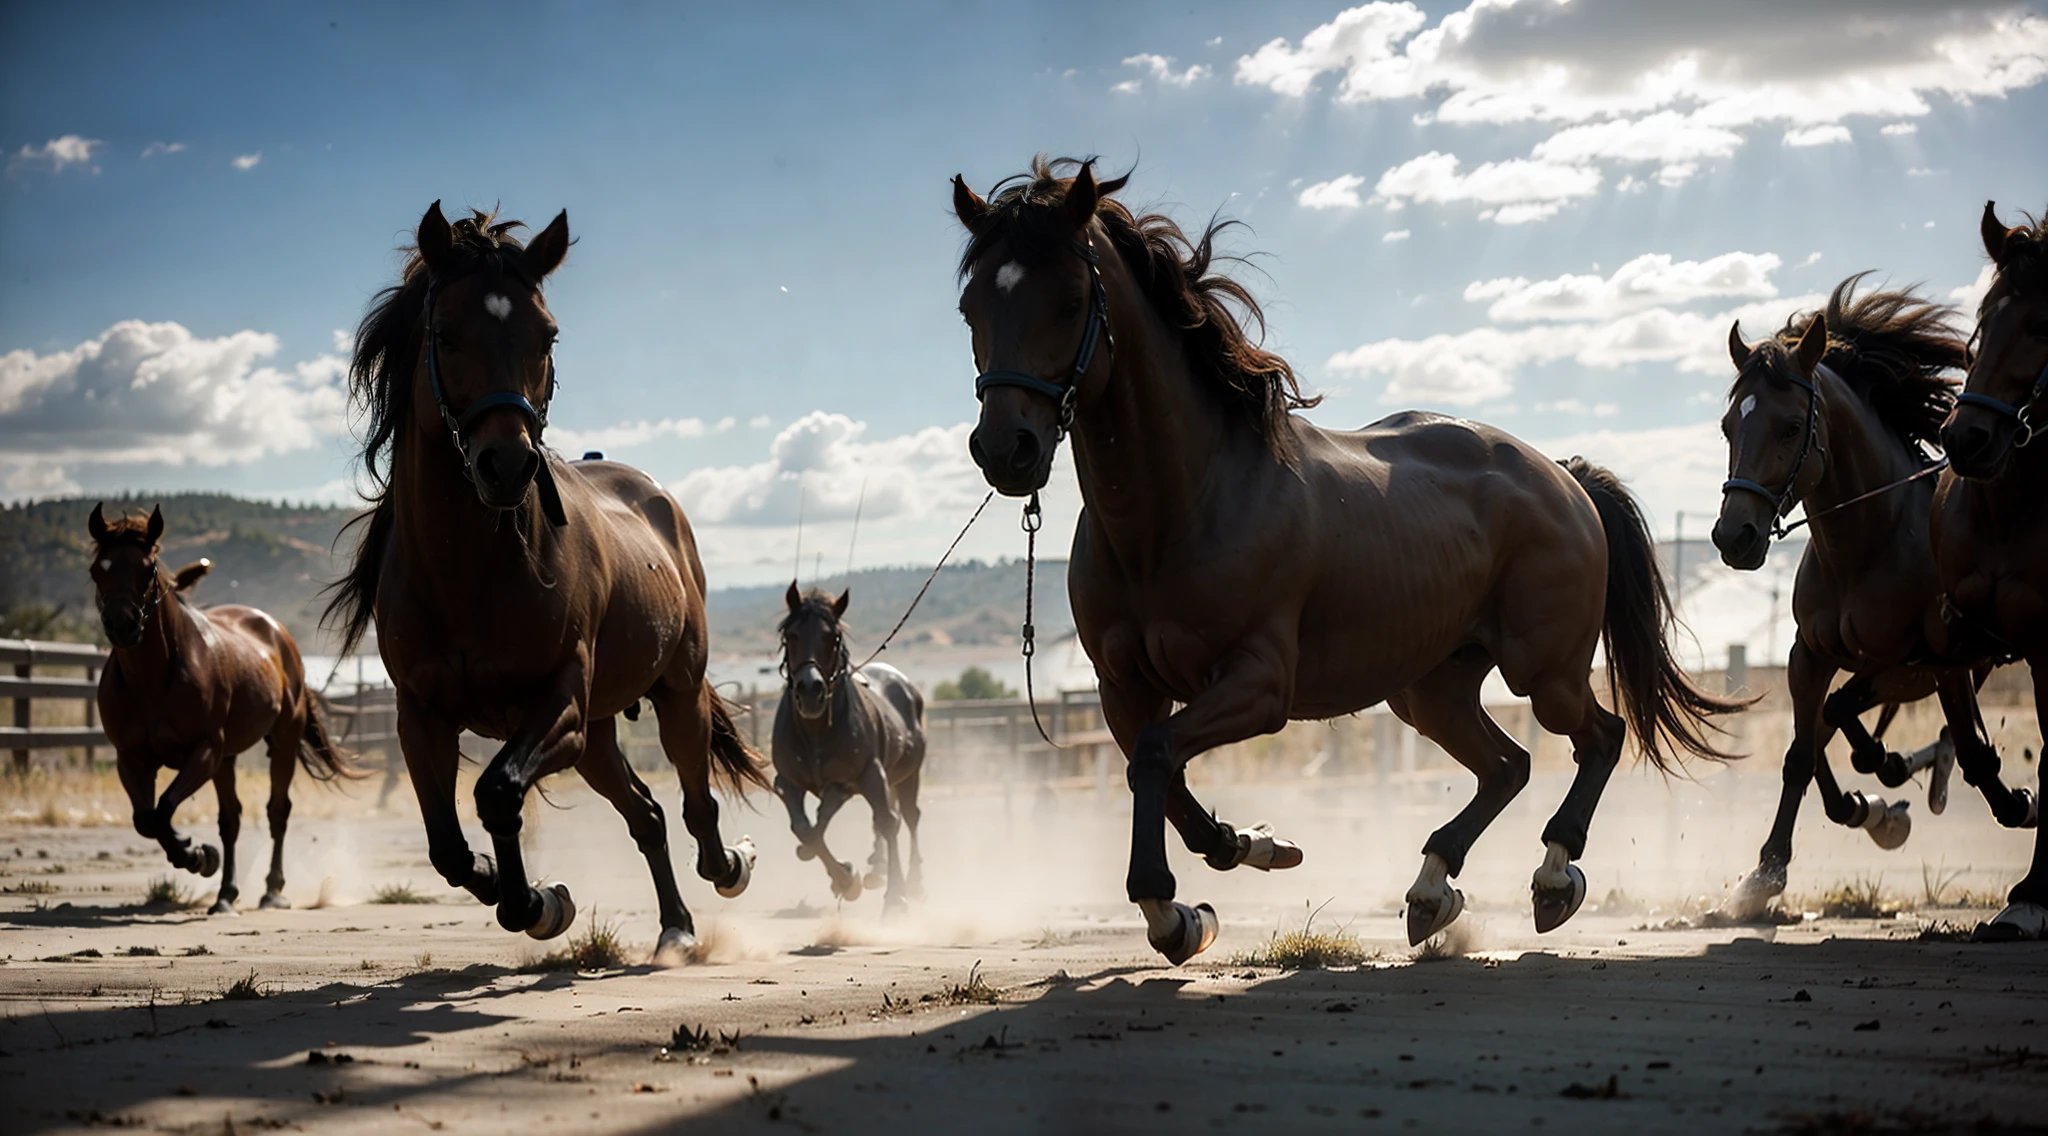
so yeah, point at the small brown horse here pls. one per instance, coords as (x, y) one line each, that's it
(841, 732)
(191, 690)
(1990, 526)
(1234, 558)
(1836, 412)
(519, 596)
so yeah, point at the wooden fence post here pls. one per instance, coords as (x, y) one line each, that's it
(21, 720)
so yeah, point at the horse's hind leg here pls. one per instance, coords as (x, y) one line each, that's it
(605, 769)
(686, 739)
(284, 754)
(906, 804)
(230, 834)
(1978, 758)
(2026, 911)
(1807, 676)
(1559, 887)
(430, 748)
(1444, 707)
(874, 786)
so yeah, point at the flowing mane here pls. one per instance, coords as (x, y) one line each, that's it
(1174, 271)
(1896, 350)
(380, 378)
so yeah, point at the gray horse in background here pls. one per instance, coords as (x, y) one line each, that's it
(842, 732)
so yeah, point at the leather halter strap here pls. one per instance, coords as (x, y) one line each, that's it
(1094, 334)
(459, 424)
(2021, 414)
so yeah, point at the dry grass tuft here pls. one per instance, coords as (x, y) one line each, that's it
(1861, 898)
(597, 947)
(167, 892)
(1307, 949)
(30, 887)
(397, 894)
(245, 989)
(973, 991)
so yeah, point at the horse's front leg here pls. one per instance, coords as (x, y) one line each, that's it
(431, 747)
(153, 818)
(549, 737)
(1807, 676)
(2026, 910)
(1978, 758)
(1249, 696)
(846, 883)
(230, 831)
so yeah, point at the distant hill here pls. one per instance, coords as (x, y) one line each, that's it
(277, 557)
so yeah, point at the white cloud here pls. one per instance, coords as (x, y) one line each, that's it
(1667, 468)
(1899, 129)
(1160, 69)
(1826, 135)
(1337, 193)
(1650, 280)
(157, 149)
(822, 460)
(1919, 172)
(1812, 258)
(1127, 87)
(624, 435)
(1518, 189)
(154, 392)
(1393, 235)
(57, 153)
(1576, 406)
(1667, 139)
(248, 161)
(760, 422)
(36, 481)
(1970, 296)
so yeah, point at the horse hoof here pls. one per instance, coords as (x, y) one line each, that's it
(1428, 914)
(223, 907)
(209, 860)
(847, 887)
(873, 880)
(557, 911)
(274, 901)
(2018, 923)
(1753, 895)
(1555, 905)
(1266, 852)
(1194, 932)
(1938, 773)
(806, 852)
(1889, 825)
(674, 947)
(743, 855)
(2029, 809)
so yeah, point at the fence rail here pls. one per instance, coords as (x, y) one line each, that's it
(24, 688)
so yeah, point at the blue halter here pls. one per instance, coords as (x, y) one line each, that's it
(1782, 500)
(2019, 414)
(459, 424)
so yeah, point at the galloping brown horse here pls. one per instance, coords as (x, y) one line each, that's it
(191, 690)
(1990, 527)
(1232, 557)
(519, 596)
(1836, 412)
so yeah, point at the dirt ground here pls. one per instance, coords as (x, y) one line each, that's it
(1019, 995)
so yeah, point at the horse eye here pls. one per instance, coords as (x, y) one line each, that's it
(1789, 430)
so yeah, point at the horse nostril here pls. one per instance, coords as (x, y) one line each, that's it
(1975, 439)
(487, 465)
(1024, 457)
(976, 451)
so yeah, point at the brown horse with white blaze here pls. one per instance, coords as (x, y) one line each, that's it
(1256, 568)
(190, 690)
(519, 596)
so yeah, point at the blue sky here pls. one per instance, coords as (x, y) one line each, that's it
(1535, 214)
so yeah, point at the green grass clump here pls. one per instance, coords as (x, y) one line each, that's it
(400, 894)
(1307, 949)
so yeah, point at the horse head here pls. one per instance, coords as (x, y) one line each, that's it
(128, 582)
(2000, 408)
(814, 657)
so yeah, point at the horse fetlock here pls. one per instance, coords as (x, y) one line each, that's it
(740, 872)
(1178, 931)
(1557, 890)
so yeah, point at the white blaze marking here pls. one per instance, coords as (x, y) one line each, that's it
(498, 306)
(106, 565)
(1748, 404)
(1009, 275)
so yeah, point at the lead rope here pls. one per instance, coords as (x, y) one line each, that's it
(1783, 529)
(915, 600)
(1032, 519)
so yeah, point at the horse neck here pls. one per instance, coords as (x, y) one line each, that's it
(1144, 444)
(156, 658)
(438, 510)
(1862, 455)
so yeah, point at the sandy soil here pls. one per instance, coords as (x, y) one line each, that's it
(1020, 996)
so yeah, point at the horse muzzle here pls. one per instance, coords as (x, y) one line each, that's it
(1743, 544)
(809, 692)
(123, 624)
(502, 470)
(1979, 444)
(1015, 462)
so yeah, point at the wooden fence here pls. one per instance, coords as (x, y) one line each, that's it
(25, 687)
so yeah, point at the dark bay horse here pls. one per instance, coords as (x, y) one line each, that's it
(1837, 412)
(190, 690)
(1990, 525)
(517, 595)
(1234, 558)
(843, 732)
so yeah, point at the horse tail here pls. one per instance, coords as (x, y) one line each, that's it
(733, 761)
(1662, 707)
(318, 755)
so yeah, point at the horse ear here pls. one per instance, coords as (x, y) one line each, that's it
(1083, 195)
(1994, 234)
(434, 239)
(1813, 344)
(1737, 349)
(97, 524)
(545, 254)
(968, 205)
(839, 605)
(156, 524)
(794, 599)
